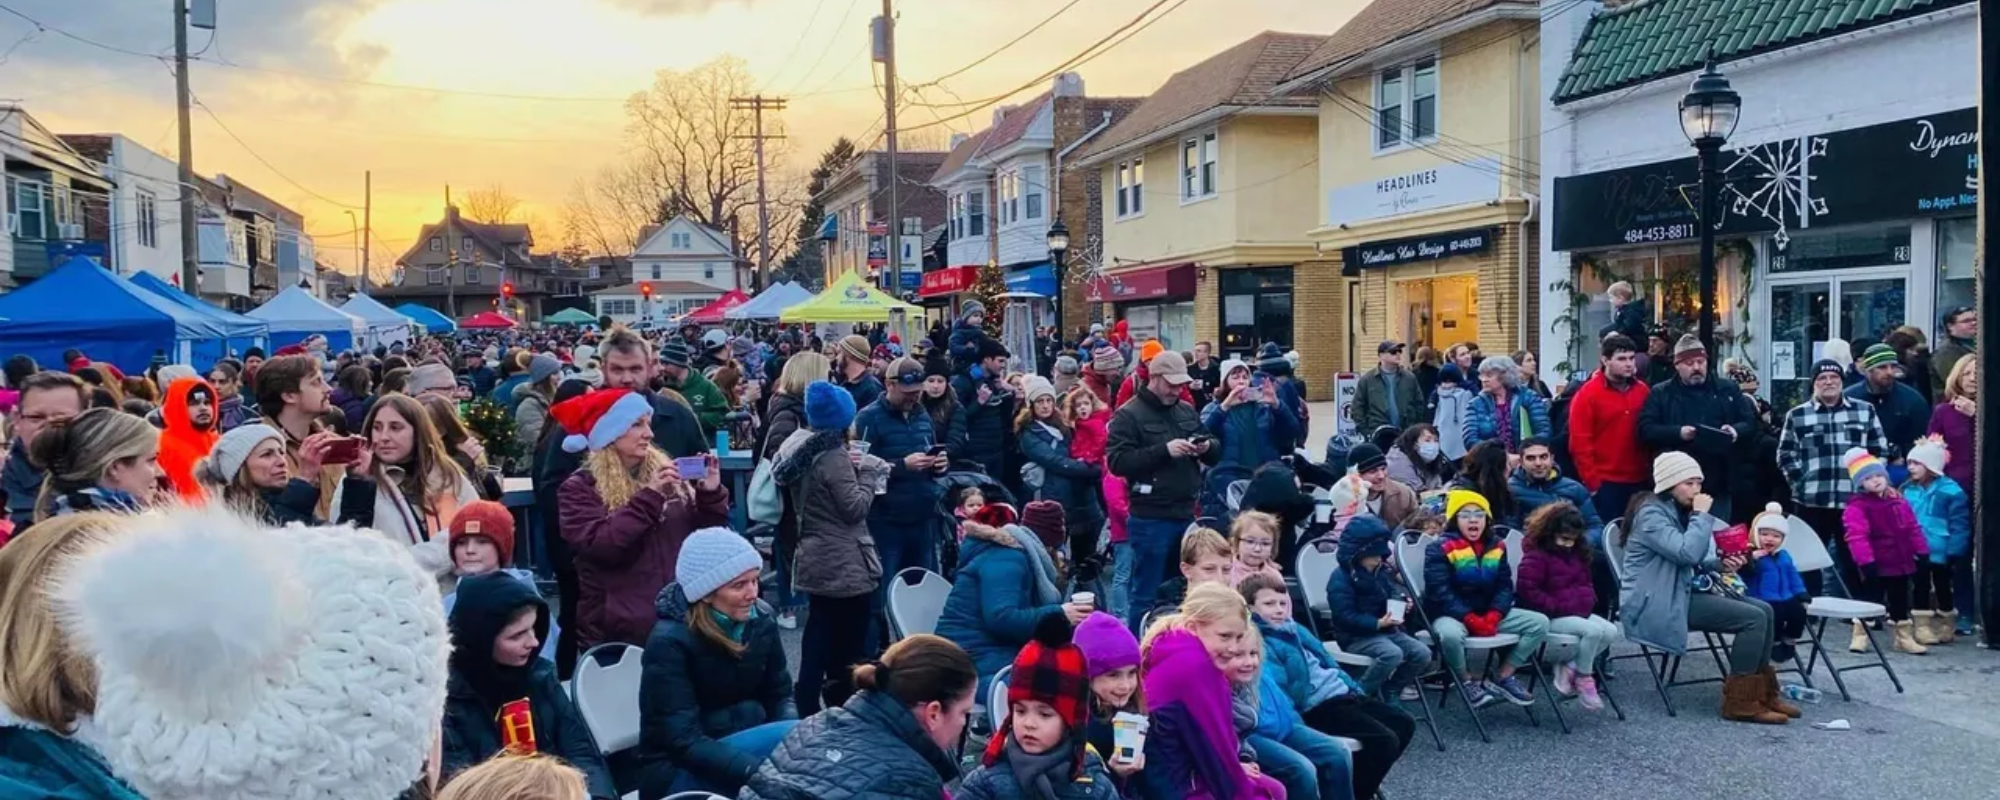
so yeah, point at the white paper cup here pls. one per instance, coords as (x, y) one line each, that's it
(1128, 736)
(1397, 608)
(1084, 599)
(1323, 511)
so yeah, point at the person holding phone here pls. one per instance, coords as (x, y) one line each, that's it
(1248, 425)
(419, 488)
(1152, 446)
(625, 513)
(247, 471)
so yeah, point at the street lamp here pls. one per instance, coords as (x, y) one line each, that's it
(1709, 112)
(1058, 255)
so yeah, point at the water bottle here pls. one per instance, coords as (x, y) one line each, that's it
(722, 443)
(1802, 694)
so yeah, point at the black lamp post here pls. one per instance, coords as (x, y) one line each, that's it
(1709, 112)
(1058, 255)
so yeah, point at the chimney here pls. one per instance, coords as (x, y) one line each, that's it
(957, 139)
(1001, 113)
(1069, 84)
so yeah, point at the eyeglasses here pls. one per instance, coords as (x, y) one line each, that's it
(1472, 513)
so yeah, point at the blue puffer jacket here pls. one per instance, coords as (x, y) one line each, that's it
(1065, 480)
(1529, 411)
(1360, 597)
(1277, 717)
(893, 434)
(1291, 656)
(1251, 434)
(36, 764)
(997, 782)
(1946, 516)
(964, 345)
(993, 607)
(1530, 494)
(869, 749)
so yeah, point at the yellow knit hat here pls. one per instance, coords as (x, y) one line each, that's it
(1460, 498)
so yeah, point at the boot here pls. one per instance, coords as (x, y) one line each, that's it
(1858, 643)
(1906, 642)
(1921, 626)
(1768, 681)
(1742, 701)
(1941, 624)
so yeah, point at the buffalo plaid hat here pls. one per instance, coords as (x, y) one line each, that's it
(1051, 669)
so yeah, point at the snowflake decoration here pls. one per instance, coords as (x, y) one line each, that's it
(1781, 184)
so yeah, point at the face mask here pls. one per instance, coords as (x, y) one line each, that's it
(1428, 451)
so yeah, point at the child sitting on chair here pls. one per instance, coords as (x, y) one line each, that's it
(1254, 536)
(1043, 752)
(1773, 578)
(970, 501)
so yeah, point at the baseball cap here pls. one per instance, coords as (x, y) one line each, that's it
(1389, 346)
(905, 372)
(1171, 366)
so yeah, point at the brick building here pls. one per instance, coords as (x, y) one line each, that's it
(857, 197)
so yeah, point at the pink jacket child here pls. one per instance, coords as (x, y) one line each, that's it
(1882, 529)
(1091, 435)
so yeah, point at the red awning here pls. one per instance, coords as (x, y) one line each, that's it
(712, 313)
(486, 320)
(949, 280)
(1167, 281)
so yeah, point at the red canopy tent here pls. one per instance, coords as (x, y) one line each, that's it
(712, 313)
(486, 320)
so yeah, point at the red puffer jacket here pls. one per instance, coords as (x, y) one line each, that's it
(1555, 583)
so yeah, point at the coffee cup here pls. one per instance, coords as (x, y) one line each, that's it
(1397, 608)
(1128, 736)
(1084, 599)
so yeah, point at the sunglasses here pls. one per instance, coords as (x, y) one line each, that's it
(909, 379)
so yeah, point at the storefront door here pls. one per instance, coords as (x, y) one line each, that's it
(1256, 308)
(1856, 306)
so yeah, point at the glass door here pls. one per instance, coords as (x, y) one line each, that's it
(1860, 308)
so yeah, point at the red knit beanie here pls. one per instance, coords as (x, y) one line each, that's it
(489, 519)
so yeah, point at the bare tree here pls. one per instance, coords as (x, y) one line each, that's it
(493, 205)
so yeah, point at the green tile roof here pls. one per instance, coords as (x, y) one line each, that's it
(1651, 39)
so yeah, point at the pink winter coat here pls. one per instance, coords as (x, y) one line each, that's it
(1088, 447)
(1883, 531)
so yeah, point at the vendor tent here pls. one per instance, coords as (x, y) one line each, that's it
(713, 312)
(486, 320)
(849, 299)
(570, 316)
(295, 314)
(385, 325)
(242, 333)
(769, 302)
(83, 305)
(433, 320)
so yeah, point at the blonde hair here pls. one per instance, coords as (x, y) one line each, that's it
(1204, 542)
(703, 623)
(1957, 376)
(1252, 522)
(615, 484)
(43, 679)
(76, 454)
(1206, 604)
(801, 369)
(529, 777)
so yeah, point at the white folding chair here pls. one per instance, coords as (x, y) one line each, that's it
(1556, 648)
(607, 695)
(1410, 564)
(1233, 494)
(996, 699)
(692, 796)
(1809, 554)
(1313, 568)
(916, 600)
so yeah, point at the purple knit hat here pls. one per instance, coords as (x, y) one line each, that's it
(1106, 643)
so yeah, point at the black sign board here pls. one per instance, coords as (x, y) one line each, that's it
(1918, 167)
(1393, 252)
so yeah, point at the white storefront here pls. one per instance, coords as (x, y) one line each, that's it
(1849, 191)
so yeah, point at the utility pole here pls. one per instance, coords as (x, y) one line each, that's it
(887, 55)
(190, 230)
(1987, 349)
(451, 257)
(367, 224)
(757, 105)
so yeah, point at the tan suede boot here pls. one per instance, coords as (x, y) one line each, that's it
(1768, 681)
(1906, 642)
(1921, 627)
(1941, 627)
(1858, 643)
(1742, 701)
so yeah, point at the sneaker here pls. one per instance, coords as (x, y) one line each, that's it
(1964, 627)
(1565, 679)
(1481, 697)
(1410, 694)
(788, 620)
(1586, 687)
(1511, 690)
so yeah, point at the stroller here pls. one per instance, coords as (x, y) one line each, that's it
(945, 527)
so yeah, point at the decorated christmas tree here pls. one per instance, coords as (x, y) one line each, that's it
(495, 428)
(987, 290)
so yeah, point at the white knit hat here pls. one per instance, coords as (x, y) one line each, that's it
(1672, 467)
(1037, 387)
(236, 662)
(712, 557)
(234, 448)
(1772, 519)
(430, 377)
(173, 372)
(1931, 452)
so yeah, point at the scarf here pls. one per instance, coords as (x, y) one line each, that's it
(93, 498)
(1038, 775)
(1045, 567)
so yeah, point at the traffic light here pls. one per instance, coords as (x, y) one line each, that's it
(507, 289)
(646, 290)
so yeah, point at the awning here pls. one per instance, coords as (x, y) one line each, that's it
(949, 280)
(1166, 281)
(486, 320)
(829, 228)
(1035, 278)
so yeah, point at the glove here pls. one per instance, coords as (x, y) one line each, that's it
(1478, 625)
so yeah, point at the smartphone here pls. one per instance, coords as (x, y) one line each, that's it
(692, 468)
(1201, 440)
(937, 451)
(343, 451)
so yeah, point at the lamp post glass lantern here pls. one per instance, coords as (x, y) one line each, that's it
(1058, 254)
(1708, 115)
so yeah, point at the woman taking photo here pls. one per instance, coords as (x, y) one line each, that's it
(102, 460)
(715, 697)
(783, 416)
(625, 513)
(1417, 459)
(1667, 547)
(466, 450)
(418, 488)
(1046, 438)
(893, 740)
(1504, 411)
(1247, 421)
(837, 567)
(247, 472)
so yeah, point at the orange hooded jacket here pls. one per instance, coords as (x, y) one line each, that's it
(182, 444)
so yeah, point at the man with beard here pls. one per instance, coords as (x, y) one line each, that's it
(190, 433)
(710, 407)
(1157, 445)
(775, 365)
(897, 429)
(1611, 462)
(1902, 411)
(1657, 365)
(851, 370)
(1811, 450)
(1706, 419)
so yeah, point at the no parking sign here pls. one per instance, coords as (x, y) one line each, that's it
(1344, 386)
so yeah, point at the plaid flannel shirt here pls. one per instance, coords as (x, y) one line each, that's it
(1815, 438)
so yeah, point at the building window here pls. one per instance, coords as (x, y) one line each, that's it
(975, 213)
(437, 245)
(1198, 164)
(434, 277)
(594, 269)
(1406, 105)
(267, 242)
(656, 271)
(30, 218)
(1131, 188)
(1032, 194)
(149, 220)
(466, 248)
(680, 241)
(1009, 203)
(1955, 257)
(620, 307)
(472, 274)
(708, 272)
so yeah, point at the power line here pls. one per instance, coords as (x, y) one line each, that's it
(266, 162)
(794, 51)
(837, 29)
(39, 25)
(1002, 48)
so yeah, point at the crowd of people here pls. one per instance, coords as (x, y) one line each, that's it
(1120, 523)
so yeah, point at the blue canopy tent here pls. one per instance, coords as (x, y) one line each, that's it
(434, 321)
(243, 332)
(295, 314)
(83, 305)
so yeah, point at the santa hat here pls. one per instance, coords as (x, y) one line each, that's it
(597, 419)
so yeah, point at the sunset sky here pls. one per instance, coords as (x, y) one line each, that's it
(310, 86)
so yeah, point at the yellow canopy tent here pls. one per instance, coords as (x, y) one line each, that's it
(849, 299)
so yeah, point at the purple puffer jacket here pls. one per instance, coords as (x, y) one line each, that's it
(1882, 531)
(1958, 431)
(624, 557)
(1556, 584)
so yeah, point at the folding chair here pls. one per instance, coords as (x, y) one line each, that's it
(1809, 555)
(996, 698)
(1314, 569)
(916, 600)
(1556, 648)
(1666, 674)
(1410, 565)
(606, 695)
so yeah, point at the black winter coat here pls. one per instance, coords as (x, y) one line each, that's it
(869, 749)
(987, 426)
(300, 498)
(1159, 485)
(1065, 480)
(693, 693)
(1672, 405)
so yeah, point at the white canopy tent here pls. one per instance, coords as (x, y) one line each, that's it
(386, 325)
(768, 303)
(295, 314)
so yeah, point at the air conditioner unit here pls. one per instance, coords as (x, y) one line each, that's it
(69, 230)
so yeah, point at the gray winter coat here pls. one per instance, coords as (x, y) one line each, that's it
(869, 749)
(836, 556)
(1662, 551)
